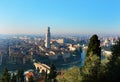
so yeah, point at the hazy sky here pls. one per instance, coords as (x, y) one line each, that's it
(63, 16)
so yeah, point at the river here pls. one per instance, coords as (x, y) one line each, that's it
(78, 63)
(83, 56)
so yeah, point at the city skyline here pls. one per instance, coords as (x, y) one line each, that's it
(72, 17)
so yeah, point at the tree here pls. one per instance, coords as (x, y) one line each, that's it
(91, 70)
(72, 75)
(38, 70)
(53, 73)
(94, 46)
(113, 72)
(13, 79)
(20, 75)
(46, 77)
(5, 76)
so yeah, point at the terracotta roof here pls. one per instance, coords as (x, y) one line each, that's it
(28, 75)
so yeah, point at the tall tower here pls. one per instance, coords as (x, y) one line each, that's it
(47, 40)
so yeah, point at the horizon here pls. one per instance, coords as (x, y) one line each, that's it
(63, 17)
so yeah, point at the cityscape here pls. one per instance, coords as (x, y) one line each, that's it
(59, 41)
(34, 51)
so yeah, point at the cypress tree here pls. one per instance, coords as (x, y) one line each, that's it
(5, 76)
(20, 75)
(94, 46)
(91, 69)
(45, 80)
(14, 79)
(53, 73)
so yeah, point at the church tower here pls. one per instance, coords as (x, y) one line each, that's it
(47, 40)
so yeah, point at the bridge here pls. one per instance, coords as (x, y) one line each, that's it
(42, 67)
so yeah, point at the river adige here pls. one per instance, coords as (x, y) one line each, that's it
(78, 63)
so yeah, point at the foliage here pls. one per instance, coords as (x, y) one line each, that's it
(46, 77)
(94, 46)
(53, 73)
(38, 70)
(9, 77)
(20, 75)
(90, 71)
(14, 78)
(113, 72)
(5, 76)
(72, 75)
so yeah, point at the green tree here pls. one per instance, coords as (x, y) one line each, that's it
(20, 75)
(5, 76)
(114, 65)
(46, 77)
(91, 70)
(53, 73)
(13, 79)
(94, 46)
(72, 75)
(38, 70)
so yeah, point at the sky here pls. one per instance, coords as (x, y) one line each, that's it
(63, 16)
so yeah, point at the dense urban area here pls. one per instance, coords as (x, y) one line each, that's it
(35, 56)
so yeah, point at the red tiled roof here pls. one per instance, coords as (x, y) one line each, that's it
(28, 75)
